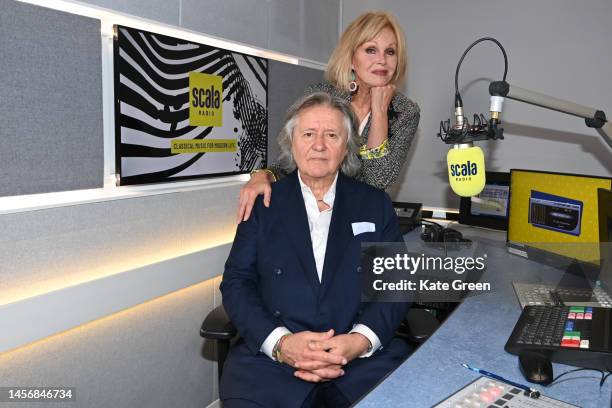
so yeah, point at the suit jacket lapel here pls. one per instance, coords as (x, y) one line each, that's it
(296, 225)
(340, 233)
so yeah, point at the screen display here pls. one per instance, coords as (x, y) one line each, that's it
(492, 201)
(404, 212)
(552, 208)
(556, 213)
(489, 209)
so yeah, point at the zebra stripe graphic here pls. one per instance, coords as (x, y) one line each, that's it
(152, 108)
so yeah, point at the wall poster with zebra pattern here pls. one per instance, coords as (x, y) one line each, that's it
(186, 110)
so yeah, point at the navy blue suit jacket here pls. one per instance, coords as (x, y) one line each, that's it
(270, 277)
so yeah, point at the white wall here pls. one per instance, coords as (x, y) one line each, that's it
(561, 48)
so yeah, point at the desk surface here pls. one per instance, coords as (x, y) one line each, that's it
(476, 333)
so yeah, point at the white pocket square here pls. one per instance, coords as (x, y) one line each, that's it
(361, 227)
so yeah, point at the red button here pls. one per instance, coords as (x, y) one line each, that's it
(486, 396)
(570, 343)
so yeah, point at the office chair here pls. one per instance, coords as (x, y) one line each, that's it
(417, 327)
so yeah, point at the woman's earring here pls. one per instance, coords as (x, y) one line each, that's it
(353, 86)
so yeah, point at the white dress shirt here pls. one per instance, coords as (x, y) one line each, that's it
(364, 122)
(318, 223)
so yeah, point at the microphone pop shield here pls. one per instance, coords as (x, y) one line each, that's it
(466, 169)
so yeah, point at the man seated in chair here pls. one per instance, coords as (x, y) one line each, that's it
(292, 283)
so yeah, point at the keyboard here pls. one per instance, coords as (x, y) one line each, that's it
(538, 294)
(486, 392)
(574, 335)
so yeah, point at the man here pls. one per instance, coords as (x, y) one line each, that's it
(291, 284)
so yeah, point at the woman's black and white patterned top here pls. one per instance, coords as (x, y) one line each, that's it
(403, 115)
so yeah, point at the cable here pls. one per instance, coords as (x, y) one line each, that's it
(603, 379)
(468, 49)
(463, 132)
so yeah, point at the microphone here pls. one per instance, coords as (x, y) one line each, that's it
(466, 166)
(466, 169)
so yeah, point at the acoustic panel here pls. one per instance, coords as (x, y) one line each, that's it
(51, 100)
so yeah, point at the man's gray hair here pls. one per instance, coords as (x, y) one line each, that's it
(351, 163)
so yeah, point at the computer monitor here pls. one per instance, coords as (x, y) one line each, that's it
(555, 214)
(488, 209)
(604, 200)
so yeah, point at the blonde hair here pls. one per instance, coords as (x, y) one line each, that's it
(364, 28)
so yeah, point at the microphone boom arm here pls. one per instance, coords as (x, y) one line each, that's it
(593, 118)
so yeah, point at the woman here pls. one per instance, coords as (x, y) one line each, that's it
(365, 67)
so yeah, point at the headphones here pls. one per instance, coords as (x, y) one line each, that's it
(434, 232)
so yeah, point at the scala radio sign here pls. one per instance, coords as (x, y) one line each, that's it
(186, 110)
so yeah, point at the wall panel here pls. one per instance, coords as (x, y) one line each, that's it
(50, 99)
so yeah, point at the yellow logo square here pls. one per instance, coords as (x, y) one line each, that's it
(205, 99)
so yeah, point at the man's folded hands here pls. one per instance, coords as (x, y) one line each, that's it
(320, 357)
